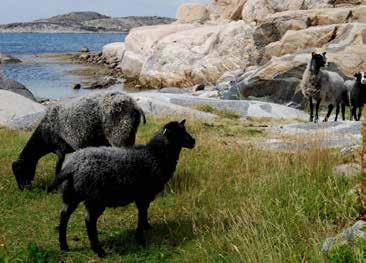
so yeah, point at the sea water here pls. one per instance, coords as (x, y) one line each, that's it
(42, 76)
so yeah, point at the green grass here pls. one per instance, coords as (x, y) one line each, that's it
(228, 202)
(222, 113)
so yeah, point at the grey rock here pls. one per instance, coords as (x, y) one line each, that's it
(174, 90)
(347, 170)
(103, 83)
(14, 86)
(84, 49)
(27, 122)
(348, 236)
(7, 59)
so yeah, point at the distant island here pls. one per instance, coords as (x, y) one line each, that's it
(84, 22)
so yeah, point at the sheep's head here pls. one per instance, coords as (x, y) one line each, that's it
(317, 61)
(23, 172)
(177, 134)
(361, 77)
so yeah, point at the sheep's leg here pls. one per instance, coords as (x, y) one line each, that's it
(311, 105)
(337, 112)
(91, 218)
(66, 212)
(143, 223)
(353, 113)
(317, 110)
(330, 109)
(343, 111)
(60, 161)
(359, 113)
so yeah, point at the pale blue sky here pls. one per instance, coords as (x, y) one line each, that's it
(28, 10)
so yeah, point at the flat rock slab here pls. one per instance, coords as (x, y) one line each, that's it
(304, 136)
(245, 108)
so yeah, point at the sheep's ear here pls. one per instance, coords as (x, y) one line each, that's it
(356, 75)
(324, 53)
(165, 131)
(313, 54)
(183, 122)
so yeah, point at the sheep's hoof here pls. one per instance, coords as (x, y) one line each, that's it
(147, 226)
(65, 248)
(101, 253)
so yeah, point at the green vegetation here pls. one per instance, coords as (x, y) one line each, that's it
(222, 113)
(228, 202)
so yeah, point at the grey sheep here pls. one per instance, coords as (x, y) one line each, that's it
(101, 119)
(110, 177)
(356, 90)
(320, 85)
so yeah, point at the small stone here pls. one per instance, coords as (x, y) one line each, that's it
(198, 87)
(77, 86)
(84, 56)
(347, 170)
(84, 49)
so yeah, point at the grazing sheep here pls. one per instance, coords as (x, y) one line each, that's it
(356, 94)
(101, 119)
(110, 177)
(322, 86)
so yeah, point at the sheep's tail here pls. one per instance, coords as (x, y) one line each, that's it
(142, 115)
(59, 179)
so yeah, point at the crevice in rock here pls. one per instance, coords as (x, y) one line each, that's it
(334, 34)
(349, 17)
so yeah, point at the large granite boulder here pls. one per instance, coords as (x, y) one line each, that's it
(14, 106)
(200, 55)
(192, 13)
(226, 9)
(140, 42)
(113, 52)
(14, 86)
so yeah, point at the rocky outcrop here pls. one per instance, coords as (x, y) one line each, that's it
(16, 87)
(255, 48)
(83, 22)
(192, 13)
(204, 53)
(140, 43)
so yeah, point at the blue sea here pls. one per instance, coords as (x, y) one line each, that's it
(42, 76)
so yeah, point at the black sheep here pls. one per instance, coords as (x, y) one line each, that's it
(101, 119)
(110, 177)
(356, 90)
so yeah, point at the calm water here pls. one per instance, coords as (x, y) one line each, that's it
(49, 80)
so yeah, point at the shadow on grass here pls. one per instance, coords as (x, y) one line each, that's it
(162, 236)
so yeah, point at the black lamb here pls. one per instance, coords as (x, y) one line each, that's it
(101, 119)
(110, 177)
(356, 90)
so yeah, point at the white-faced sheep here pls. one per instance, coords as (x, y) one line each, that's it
(110, 177)
(320, 85)
(101, 119)
(356, 94)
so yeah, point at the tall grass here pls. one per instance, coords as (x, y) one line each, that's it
(228, 202)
